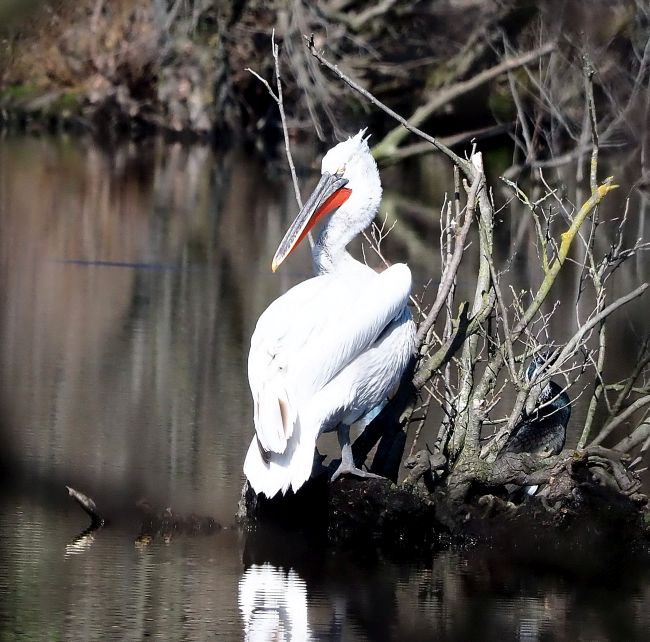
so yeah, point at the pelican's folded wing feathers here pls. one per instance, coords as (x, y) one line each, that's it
(310, 334)
(353, 318)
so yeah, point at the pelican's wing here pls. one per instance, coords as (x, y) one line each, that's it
(310, 334)
(274, 412)
(353, 316)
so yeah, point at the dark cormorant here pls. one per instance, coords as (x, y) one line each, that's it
(543, 431)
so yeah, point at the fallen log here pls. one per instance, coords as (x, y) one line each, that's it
(154, 522)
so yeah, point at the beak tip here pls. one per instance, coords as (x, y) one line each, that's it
(274, 266)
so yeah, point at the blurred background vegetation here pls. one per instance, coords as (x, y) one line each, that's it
(178, 66)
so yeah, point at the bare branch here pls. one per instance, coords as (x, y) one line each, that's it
(589, 72)
(277, 97)
(462, 164)
(451, 269)
(467, 430)
(285, 131)
(391, 141)
(642, 362)
(504, 318)
(573, 343)
(640, 434)
(618, 420)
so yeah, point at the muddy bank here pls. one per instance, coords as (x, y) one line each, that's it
(355, 513)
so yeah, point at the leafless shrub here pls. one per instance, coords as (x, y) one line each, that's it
(469, 352)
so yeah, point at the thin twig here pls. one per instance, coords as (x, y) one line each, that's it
(504, 318)
(283, 118)
(277, 97)
(452, 268)
(462, 164)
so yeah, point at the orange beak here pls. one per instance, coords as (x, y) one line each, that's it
(330, 193)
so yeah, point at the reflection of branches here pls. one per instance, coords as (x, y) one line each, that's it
(88, 506)
(85, 539)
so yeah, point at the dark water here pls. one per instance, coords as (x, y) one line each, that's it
(131, 281)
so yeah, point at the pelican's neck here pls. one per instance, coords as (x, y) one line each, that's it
(351, 218)
(324, 263)
(329, 252)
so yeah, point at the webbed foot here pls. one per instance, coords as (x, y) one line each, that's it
(348, 468)
(347, 465)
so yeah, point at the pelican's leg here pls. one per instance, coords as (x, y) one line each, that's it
(347, 461)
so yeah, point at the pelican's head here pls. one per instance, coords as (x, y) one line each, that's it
(349, 187)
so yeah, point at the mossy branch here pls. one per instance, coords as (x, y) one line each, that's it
(493, 368)
(567, 237)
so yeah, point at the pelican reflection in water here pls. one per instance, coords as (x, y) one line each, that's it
(273, 604)
(332, 349)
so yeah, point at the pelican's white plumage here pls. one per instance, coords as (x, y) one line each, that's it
(333, 347)
(273, 604)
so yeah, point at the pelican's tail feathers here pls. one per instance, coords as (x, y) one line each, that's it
(265, 477)
(270, 472)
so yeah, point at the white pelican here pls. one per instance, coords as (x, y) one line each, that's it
(333, 348)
